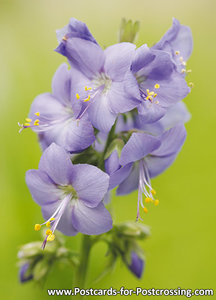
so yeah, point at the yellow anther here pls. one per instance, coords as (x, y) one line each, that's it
(183, 71)
(52, 219)
(145, 210)
(64, 38)
(28, 120)
(77, 96)
(48, 232)
(37, 114)
(48, 224)
(87, 99)
(156, 202)
(184, 63)
(147, 200)
(151, 93)
(155, 95)
(149, 98)
(189, 71)
(181, 59)
(156, 102)
(191, 84)
(153, 192)
(50, 237)
(157, 85)
(36, 122)
(37, 227)
(87, 89)
(177, 52)
(27, 124)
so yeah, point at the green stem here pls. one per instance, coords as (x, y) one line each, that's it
(80, 276)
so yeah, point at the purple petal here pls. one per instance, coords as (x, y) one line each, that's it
(118, 59)
(112, 163)
(143, 56)
(75, 28)
(57, 164)
(86, 56)
(158, 164)
(130, 184)
(137, 147)
(177, 114)
(91, 221)
(119, 100)
(42, 188)
(119, 176)
(150, 112)
(61, 84)
(90, 183)
(23, 273)
(171, 141)
(179, 38)
(100, 114)
(137, 265)
(48, 106)
(72, 135)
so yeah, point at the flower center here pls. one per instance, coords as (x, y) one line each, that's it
(102, 80)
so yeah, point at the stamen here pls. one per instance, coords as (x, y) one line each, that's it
(88, 88)
(48, 224)
(191, 84)
(145, 210)
(64, 38)
(49, 231)
(27, 124)
(87, 99)
(28, 120)
(37, 114)
(77, 96)
(50, 237)
(37, 227)
(177, 52)
(156, 202)
(157, 86)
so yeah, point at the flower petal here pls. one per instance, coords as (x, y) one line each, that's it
(100, 114)
(91, 221)
(137, 147)
(61, 84)
(178, 113)
(151, 112)
(42, 188)
(171, 141)
(143, 56)
(86, 56)
(119, 176)
(118, 59)
(120, 100)
(178, 38)
(75, 28)
(130, 184)
(57, 164)
(90, 183)
(158, 164)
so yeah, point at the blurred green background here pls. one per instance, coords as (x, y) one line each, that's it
(181, 250)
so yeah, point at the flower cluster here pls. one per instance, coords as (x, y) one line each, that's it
(114, 118)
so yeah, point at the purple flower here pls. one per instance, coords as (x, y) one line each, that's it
(160, 83)
(101, 78)
(70, 195)
(136, 265)
(23, 276)
(178, 42)
(144, 156)
(54, 116)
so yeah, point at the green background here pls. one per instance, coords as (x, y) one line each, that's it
(181, 250)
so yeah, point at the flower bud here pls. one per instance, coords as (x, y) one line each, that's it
(128, 31)
(136, 265)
